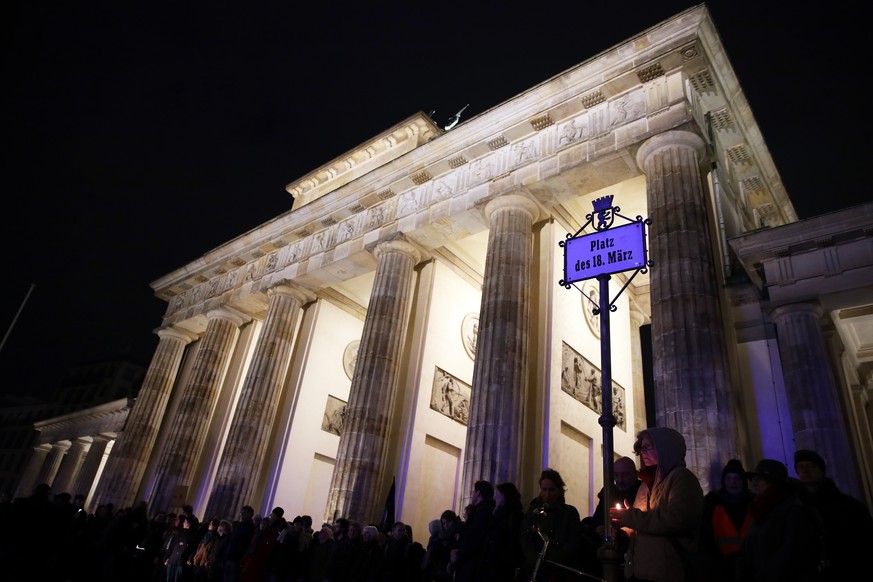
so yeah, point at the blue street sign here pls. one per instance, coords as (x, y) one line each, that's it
(621, 248)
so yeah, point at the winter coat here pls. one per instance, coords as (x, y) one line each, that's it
(665, 519)
(784, 542)
(472, 543)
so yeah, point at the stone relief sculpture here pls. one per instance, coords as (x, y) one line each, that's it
(334, 415)
(251, 272)
(442, 190)
(272, 262)
(450, 396)
(408, 203)
(482, 169)
(573, 131)
(582, 380)
(350, 358)
(470, 333)
(377, 216)
(346, 230)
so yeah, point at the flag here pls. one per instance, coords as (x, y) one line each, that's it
(388, 512)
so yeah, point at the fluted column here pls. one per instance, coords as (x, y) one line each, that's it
(70, 465)
(34, 466)
(813, 400)
(494, 430)
(690, 360)
(191, 421)
(126, 464)
(90, 466)
(637, 319)
(364, 441)
(252, 424)
(52, 463)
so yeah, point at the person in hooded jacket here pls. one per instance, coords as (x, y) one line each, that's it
(664, 523)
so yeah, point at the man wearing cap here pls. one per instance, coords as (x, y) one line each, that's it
(848, 526)
(783, 542)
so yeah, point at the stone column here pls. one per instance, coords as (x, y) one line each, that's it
(637, 319)
(126, 464)
(191, 422)
(51, 465)
(813, 400)
(90, 466)
(70, 466)
(364, 442)
(690, 360)
(34, 466)
(242, 458)
(494, 430)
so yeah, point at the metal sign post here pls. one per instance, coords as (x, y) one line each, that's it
(599, 254)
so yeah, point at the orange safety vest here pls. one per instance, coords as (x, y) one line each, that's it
(725, 532)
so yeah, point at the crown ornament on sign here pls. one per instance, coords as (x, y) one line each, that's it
(603, 203)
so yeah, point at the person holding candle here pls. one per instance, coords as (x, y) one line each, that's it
(664, 521)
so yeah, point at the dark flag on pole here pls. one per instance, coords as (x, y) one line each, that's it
(388, 512)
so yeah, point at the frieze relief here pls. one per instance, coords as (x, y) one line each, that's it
(231, 279)
(379, 215)
(272, 262)
(211, 288)
(525, 152)
(626, 108)
(347, 229)
(573, 131)
(482, 170)
(443, 188)
(321, 240)
(411, 201)
(253, 271)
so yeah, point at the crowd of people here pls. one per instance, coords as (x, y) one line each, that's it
(757, 525)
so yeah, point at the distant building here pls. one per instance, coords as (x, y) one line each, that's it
(17, 415)
(404, 318)
(63, 442)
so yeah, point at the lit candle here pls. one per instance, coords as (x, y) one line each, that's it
(618, 505)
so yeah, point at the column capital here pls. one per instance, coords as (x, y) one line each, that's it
(668, 139)
(230, 314)
(292, 290)
(174, 333)
(796, 308)
(398, 246)
(514, 202)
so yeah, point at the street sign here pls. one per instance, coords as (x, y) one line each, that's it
(621, 248)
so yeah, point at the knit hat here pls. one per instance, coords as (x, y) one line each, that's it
(733, 466)
(811, 456)
(771, 470)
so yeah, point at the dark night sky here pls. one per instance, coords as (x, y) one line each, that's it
(139, 135)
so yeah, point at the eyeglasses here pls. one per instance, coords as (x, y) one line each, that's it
(647, 448)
